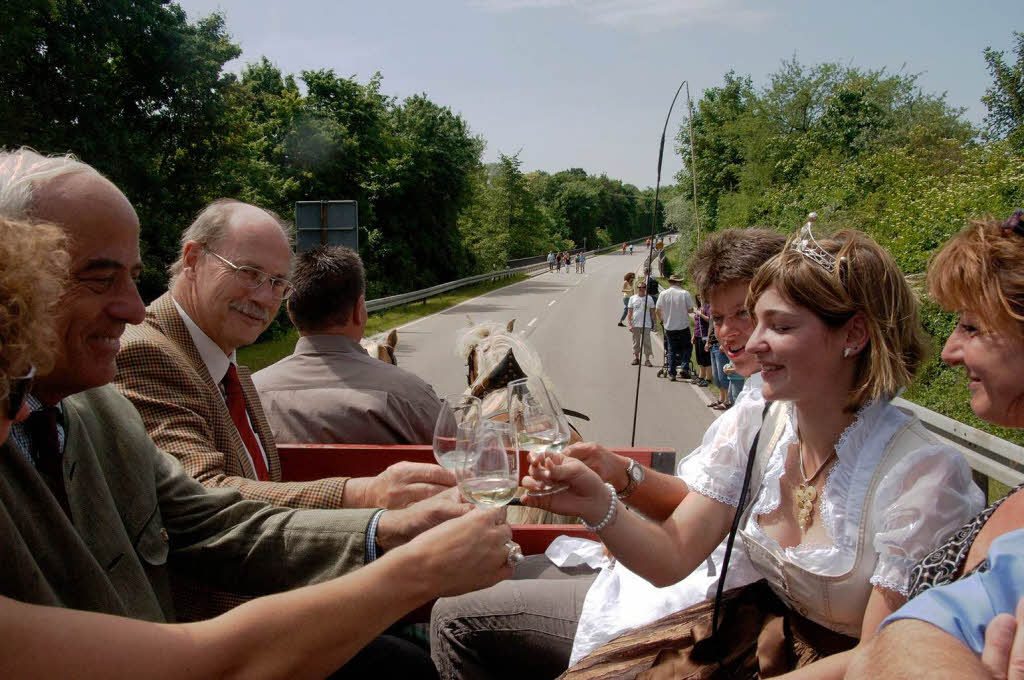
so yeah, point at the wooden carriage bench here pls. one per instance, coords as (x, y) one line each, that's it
(305, 462)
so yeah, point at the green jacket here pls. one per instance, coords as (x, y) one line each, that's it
(137, 515)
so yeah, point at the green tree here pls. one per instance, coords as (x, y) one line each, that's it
(1005, 97)
(132, 88)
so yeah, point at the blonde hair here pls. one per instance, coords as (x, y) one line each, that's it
(981, 269)
(865, 280)
(33, 272)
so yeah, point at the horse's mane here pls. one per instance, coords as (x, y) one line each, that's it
(492, 342)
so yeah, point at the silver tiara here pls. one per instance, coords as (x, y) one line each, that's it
(807, 246)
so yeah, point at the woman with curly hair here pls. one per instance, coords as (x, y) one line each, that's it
(31, 279)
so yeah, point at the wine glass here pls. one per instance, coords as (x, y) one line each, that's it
(456, 426)
(488, 472)
(538, 422)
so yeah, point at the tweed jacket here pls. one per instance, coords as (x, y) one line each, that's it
(137, 517)
(160, 370)
(329, 390)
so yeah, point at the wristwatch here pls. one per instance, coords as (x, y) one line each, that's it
(634, 474)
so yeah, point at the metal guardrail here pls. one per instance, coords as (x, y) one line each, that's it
(426, 293)
(990, 457)
(417, 295)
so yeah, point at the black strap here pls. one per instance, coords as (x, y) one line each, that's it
(736, 520)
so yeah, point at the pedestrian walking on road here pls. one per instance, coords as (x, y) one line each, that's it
(641, 321)
(551, 260)
(558, 263)
(628, 290)
(630, 248)
(583, 263)
(673, 310)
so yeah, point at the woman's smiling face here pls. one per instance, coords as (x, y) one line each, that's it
(801, 358)
(994, 363)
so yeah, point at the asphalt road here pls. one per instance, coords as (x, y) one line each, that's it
(570, 320)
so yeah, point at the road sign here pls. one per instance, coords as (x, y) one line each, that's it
(334, 223)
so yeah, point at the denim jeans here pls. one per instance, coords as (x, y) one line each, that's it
(735, 385)
(625, 308)
(679, 349)
(718, 362)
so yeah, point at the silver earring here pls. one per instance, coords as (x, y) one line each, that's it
(847, 351)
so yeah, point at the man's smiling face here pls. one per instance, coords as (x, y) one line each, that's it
(101, 297)
(228, 310)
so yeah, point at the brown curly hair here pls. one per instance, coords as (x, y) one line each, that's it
(33, 271)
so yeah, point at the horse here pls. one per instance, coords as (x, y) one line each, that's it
(495, 356)
(382, 346)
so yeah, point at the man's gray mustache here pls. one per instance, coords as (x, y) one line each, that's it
(251, 309)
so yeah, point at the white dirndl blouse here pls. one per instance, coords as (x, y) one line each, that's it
(879, 525)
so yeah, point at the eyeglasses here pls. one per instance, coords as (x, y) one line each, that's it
(20, 389)
(254, 278)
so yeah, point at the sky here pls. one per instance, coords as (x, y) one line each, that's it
(588, 83)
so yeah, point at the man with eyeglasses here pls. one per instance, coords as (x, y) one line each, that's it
(179, 369)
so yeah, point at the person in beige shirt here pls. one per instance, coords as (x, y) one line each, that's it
(329, 390)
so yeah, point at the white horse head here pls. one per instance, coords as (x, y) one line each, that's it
(382, 346)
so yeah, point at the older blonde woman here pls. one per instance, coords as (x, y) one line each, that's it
(979, 274)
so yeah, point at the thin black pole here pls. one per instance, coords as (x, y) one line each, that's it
(650, 252)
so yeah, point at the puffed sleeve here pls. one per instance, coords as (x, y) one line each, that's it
(715, 468)
(925, 497)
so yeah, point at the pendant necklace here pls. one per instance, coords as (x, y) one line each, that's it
(806, 494)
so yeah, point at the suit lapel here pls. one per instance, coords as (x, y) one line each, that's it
(164, 314)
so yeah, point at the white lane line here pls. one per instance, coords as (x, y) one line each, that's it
(532, 322)
(552, 302)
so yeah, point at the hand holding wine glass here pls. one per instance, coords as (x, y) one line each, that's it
(488, 473)
(539, 423)
(584, 492)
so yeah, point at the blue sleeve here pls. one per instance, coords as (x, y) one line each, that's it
(961, 609)
(964, 608)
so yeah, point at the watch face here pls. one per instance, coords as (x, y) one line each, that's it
(637, 473)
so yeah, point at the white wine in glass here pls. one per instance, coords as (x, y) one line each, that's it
(456, 426)
(488, 473)
(539, 423)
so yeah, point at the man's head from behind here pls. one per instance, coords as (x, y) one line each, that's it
(103, 244)
(232, 272)
(722, 268)
(330, 286)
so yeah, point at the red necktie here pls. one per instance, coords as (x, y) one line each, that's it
(236, 405)
(46, 453)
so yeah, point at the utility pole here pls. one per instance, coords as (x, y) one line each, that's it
(693, 161)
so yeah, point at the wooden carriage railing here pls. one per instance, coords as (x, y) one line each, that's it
(304, 462)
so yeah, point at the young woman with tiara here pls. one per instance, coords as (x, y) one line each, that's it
(834, 502)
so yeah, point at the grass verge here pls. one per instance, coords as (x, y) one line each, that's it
(263, 354)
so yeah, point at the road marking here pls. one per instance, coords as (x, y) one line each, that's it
(532, 322)
(552, 302)
(566, 290)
